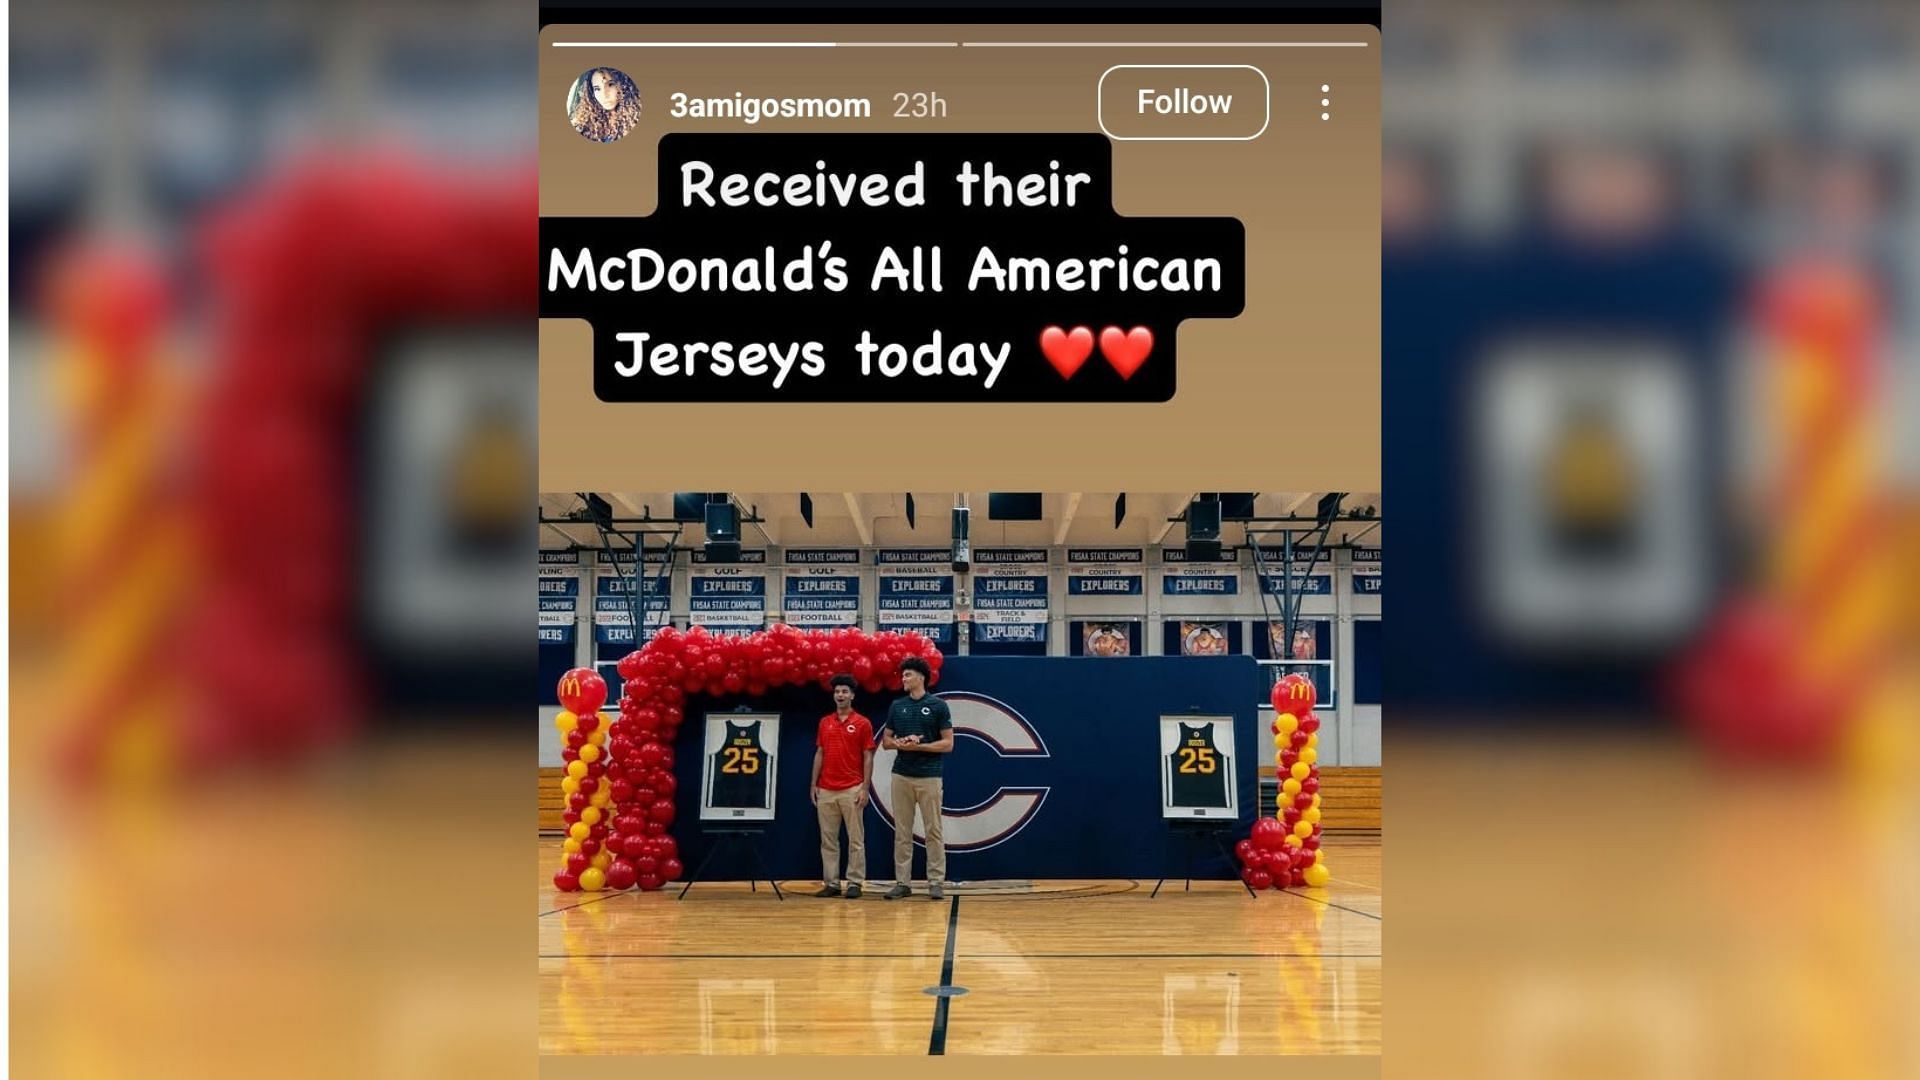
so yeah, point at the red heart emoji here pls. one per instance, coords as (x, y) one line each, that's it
(1066, 350)
(1127, 350)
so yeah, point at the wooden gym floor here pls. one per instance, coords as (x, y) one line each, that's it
(1048, 967)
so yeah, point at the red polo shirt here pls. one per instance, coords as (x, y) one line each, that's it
(843, 745)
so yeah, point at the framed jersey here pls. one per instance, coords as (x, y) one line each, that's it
(1196, 768)
(737, 769)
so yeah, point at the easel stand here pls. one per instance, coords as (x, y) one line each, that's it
(1195, 835)
(721, 838)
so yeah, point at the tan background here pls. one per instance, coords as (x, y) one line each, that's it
(1285, 396)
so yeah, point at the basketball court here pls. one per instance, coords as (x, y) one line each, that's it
(1038, 967)
(1142, 850)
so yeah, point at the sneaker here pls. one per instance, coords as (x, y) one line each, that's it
(830, 890)
(898, 891)
(853, 892)
(934, 893)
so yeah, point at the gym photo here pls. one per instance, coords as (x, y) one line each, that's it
(915, 773)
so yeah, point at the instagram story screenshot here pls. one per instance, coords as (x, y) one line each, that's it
(960, 533)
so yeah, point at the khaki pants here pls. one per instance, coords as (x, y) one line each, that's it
(920, 793)
(837, 808)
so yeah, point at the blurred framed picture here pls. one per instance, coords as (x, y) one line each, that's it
(1590, 523)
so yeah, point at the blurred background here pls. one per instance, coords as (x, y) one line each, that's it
(1649, 369)
(1649, 357)
(272, 442)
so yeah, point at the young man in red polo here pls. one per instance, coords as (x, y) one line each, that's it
(842, 768)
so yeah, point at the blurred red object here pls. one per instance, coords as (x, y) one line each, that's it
(307, 274)
(1745, 695)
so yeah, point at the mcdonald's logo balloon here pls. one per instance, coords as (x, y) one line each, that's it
(582, 691)
(1294, 694)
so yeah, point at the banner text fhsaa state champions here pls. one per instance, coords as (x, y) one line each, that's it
(901, 269)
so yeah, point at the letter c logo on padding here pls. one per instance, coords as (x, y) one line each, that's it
(1007, 810)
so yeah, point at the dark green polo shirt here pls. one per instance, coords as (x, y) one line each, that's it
(927, 718)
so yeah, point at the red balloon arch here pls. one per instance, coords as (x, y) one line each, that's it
(619, 784)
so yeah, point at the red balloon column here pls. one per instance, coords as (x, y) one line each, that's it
(622, 774)
(1285, 850)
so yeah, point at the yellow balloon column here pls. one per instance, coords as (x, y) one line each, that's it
(586, 857)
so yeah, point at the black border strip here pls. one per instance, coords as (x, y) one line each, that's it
(1086, 12)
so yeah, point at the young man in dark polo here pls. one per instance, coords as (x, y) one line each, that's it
(920, 729)
(842, 767)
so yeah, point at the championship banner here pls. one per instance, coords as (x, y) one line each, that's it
(1183, 577)
(1366, 571)
(727, 598)
(559, 596)
(748, 557)
(613, 615)
(1106, 572)
(822, 587)
(1319, 584)
(1010, 595)
(623, 560)
(1275, 556)
(916, 592)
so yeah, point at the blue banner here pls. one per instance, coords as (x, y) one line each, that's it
(1303, 584)
(1088, 584)
(559, 603)
(1025, 633)
(821, 596)
(915, 592)
(1172, 584)
(727, 597)
(1004, 599)
(1057, 773)
(940, 634)
(1366, 582)
(1106, 572)
(910, 593)
(622, 585)
(1366, 555)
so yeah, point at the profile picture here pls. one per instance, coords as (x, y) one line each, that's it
(603, 104)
